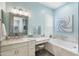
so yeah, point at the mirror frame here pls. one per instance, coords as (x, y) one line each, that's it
(11, 15)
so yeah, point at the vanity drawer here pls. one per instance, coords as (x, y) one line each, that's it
(12, 46)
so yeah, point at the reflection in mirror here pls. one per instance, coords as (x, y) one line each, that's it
(18, 25)
(39, 30)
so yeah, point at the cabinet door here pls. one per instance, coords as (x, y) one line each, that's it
(31, 48)
(64, 52)
(56, 50)
(49, 47)
(31, 51)
(22, 51)
(9, 53)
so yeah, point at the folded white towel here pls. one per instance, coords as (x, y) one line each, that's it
(4, 29)
(3, 32)
(0, 31)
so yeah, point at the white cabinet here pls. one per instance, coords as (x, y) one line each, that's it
(31, 49)
(58, 51)
(15, 51)
(50, 48)
(19, 49)
(8, 53)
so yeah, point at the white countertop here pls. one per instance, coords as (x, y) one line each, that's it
(20, 40)
(41, 40)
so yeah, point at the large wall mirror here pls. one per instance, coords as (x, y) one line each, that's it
(18, 24)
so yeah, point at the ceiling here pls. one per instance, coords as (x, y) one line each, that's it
(53, 5)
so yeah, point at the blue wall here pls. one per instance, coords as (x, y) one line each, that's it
(68, 9)
(37, 11)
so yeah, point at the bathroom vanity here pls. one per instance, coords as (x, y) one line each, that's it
(20, 46)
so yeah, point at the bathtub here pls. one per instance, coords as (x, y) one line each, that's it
(72, 47)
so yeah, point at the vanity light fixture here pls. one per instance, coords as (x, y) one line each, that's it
(20, 12)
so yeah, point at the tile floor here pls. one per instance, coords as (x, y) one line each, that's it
(43, 52)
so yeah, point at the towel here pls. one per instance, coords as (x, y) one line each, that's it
(3, 32)
(0, 31)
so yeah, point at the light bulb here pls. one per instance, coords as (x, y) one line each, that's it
(17, 11)
(27, 13)
(12, 10)
(23, 13)
(20, 12)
